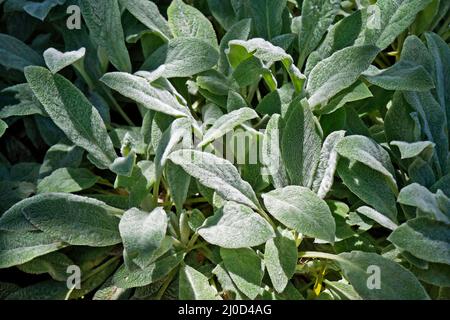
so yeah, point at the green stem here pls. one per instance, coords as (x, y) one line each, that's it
(166, 284)
(319, 255)
(267, 217)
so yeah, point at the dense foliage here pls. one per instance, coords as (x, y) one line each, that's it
(225, 149)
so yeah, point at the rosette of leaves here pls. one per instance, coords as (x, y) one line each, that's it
(121, 155)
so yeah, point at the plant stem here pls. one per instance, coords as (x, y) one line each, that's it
(166, 284)
(318, 255)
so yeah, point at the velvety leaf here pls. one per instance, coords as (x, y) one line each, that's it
(280, 258)
(388, 20)
(300, 144)
(302, 210)
(148, 14)
(271, 153)
(74, 219)
(377, 217)
(187, 21)
(124, 278)
(338, 72)
(20, 247)
(144, 93)
(267, 17)
(195, 286)
(103, 18)
(183, 57)
(236, 226)
(142, 234)
(67, 180)
(395, 282)
(317, 16)
(245, 268)
(227, 123)
(57, 60)
(324, 175)
(216, 173)
(72, 113)
(403, 75)
(425, 238)
(16, 54)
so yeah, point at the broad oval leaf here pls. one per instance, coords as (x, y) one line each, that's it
(338, 72)
(394, 282)
(57, 60)
(183, 57)
(195, 286)
(236, 226)
(142, 234)
(67, 180)
(425, 238)
(72, 113)
(187, 21)
(280, 258)
(16, 54)
(245, 268)
(74, 219)
(216, 173)
(302, 210)
(227, 123)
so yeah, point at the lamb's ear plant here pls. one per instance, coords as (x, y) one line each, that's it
(225, 150)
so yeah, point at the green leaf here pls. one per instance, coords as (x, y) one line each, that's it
(103, 18)
(340, 35)
(16, 54)
(388, 19)
(227, 123)
(324, 175)
(377, 217)
(124, 278)
(67, 180)
(74, 219)
(369, 185)
(216, 173)
(436, 274)
(55, 264)
(183, 57)
(240, 31)
(3, 127)
(40, 10)
(267, 17)
(300, 143)
(245, 268)
(240, 50)
(46, 290)
(338, 72)
(440, 53)
(433, 123)
(403, 75)
(142, 234)
(195, 286)
(425, 238)
(280, 258)
(72, 113)
(395, 282)
(414, 149)
(358, 91)
(20, 247)
(148, 95)
(57, 60)
(317, 16)
(302, 210)
(236, 226)
(148, 14)
(178, 181)
(271, 152)
(179, 131)
(187, 21)
(366, 151)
